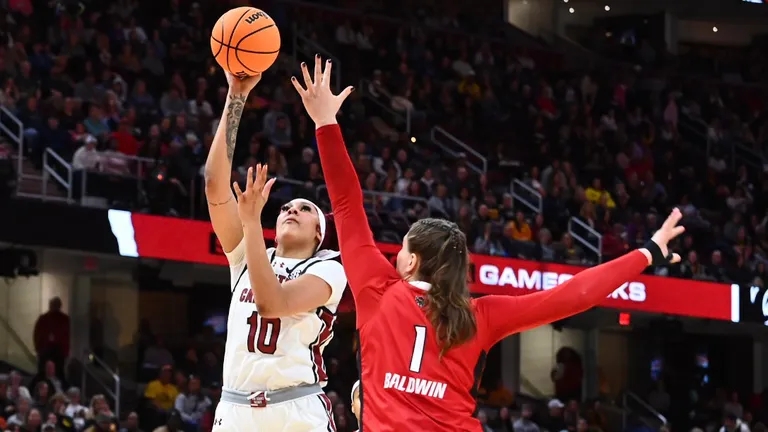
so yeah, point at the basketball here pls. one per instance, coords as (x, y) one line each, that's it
(245, 41)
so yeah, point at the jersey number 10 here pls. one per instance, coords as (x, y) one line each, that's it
(263, 333)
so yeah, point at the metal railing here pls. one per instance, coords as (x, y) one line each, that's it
(9, 120)
(322, 196)
(455, 147)
(308, 47)
(586, 236)
(738, 151)
(49, 171)
(629, 396)
(23, 358)
(527, 196)
(96, 368)
(381, 98)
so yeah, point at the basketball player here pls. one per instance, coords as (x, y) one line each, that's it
(284, 298)
(422, 338)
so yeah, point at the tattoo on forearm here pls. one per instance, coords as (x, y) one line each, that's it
(234, 111)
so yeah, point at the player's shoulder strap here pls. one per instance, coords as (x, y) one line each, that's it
(319, 256)
(271, 252)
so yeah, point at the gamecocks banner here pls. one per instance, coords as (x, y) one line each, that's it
(146, 236)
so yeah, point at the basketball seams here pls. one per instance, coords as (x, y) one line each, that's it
(247, 51)
(221, 43)
(232, 34)
(260, 59)
(237, 47)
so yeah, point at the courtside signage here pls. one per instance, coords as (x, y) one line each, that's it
(146, 236)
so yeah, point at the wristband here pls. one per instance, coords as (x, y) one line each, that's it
(657, 257)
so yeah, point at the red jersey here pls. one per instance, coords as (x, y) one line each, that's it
(404, 384)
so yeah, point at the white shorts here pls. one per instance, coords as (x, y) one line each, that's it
(307, 414)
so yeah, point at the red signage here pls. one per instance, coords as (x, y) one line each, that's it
(194, 241)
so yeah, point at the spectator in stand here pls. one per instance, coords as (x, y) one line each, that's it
(131, 423)
(34, 420)
(161, 392)
(15, 387)
(51, 337)
(174, 423)
(48, 376)
(192, 404)
(553, 421)
(482, 417)
(6, 403)
(525, 423)
(86, 157)
(41, 395)
(23, 407)
(74, 409)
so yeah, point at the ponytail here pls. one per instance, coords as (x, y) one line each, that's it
(444, 264)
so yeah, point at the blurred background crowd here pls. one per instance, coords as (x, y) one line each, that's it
(467, 126)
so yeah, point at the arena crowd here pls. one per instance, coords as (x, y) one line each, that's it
(120, 93)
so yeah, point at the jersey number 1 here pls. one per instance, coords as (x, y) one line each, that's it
(263, 333)
(418, 348)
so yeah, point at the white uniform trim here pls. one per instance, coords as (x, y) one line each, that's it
(421, 285)
(270, 354)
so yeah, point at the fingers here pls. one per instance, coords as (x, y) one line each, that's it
(249, 179)
(262, 177)
(675, 258)
(318, 70)
(327, 74)
(308, 84)
(672, 220)
(238, 192)
(345, 93)
(676, 231)
(268, 187)
(301, 90)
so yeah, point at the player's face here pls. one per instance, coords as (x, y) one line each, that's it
(407, 262)
(298, 220)
(356, 404)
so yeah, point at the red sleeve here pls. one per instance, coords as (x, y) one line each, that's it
(368, 270)
(500, 316)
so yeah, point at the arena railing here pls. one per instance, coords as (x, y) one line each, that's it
(76, 182)
(308, 48)
(587, 236)
(527, 196)
(739, 151)
(643, 410)
(97, 368)
(65, 180)
(400, 118)
(321, 194)
(8, 120)
(458, 148)
(15, 351)
(543, 57)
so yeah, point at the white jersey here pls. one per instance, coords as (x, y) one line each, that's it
(275, 353)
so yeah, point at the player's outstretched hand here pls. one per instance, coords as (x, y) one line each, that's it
(242, 86)
(251, 202)
(321, 104)
(668, 231)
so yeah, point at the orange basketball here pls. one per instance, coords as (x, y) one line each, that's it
(245, 41)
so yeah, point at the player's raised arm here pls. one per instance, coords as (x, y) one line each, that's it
(218, 166)
(367, 268)
(501, 316)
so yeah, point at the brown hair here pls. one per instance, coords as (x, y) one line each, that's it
(444, 262)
